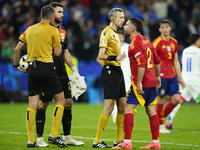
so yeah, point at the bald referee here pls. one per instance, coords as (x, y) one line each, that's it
(39, 39)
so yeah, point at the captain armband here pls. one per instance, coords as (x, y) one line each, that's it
(111, 58)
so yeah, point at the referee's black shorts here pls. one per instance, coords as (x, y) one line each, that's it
(113, 82)
(43, 79)
(66, 87)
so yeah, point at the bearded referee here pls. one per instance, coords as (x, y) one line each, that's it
(39, 39)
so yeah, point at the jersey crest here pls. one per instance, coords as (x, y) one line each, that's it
(168, 48)
(62, 34)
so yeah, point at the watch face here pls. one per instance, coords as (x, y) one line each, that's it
(109, 58)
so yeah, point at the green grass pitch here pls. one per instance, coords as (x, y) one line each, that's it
(184, 136)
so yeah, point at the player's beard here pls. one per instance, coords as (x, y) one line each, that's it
(126, 34)
(57, 20)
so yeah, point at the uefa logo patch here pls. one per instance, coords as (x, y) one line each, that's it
(103, 42)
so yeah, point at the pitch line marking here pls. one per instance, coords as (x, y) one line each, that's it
(90, 138)
(110, 128)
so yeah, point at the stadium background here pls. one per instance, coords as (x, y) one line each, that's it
(84, 21)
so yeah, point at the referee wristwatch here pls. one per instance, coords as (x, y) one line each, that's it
(15, 65)
(111, 58)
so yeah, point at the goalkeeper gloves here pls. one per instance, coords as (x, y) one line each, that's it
(75, 72)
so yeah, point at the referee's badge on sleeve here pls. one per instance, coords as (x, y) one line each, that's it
(103, 42)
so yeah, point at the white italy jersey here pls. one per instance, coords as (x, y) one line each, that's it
(191, 64)
(191, 72)
(126, 66)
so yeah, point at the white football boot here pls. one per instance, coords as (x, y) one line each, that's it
(71, 141)
(163, 129)
(41, 142)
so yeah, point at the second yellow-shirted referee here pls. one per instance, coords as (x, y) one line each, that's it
(39, 39)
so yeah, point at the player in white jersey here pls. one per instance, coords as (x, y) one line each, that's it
(126, 63)
(191, 75)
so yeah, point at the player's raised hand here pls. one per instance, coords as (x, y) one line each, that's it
(121, 57)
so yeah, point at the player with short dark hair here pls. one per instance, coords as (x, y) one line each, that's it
(59, 63)
(167, 49)
(145, 69)
(112, 76)
(40, 39)
(194, 38)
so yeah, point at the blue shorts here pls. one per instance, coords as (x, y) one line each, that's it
(148, 98)
(169, 87)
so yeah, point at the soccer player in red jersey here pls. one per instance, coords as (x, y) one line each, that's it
(166, 48)
(145, 69)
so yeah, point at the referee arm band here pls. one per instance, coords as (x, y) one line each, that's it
(111, 58)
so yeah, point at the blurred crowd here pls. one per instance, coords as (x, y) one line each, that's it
(85, 19)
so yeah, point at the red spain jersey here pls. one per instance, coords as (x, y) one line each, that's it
(142, 54)
(166, 51)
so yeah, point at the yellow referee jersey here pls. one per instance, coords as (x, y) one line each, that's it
(109, 39)
(40, 39)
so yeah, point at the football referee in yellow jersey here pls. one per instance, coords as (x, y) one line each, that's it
(112, 77)
(39, 39)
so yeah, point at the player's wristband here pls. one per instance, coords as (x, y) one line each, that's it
(111, 58)
(15, 65)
